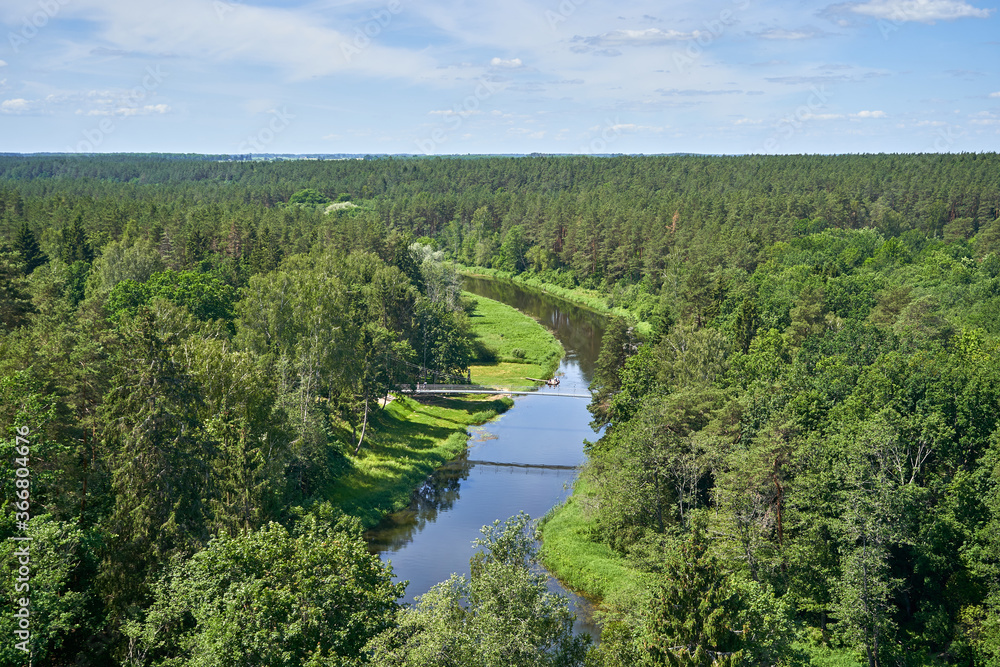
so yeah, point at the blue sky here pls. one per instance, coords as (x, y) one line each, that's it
(551, 76)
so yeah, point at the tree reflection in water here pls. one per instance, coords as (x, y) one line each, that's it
(438, 493)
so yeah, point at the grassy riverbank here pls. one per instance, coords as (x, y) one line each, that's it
(585, 565)
(410, 438)
(585, 298)
(523, 347)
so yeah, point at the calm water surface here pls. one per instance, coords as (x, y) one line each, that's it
(524, 461)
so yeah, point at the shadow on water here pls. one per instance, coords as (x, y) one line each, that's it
(438, 493)
(525, 460)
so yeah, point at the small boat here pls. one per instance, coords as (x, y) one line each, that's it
(554, 382)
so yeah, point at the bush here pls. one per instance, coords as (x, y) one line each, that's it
(483, 416)
(309, 197)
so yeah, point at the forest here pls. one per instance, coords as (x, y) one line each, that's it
(797, 451)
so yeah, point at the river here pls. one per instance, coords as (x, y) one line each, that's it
(524, 460)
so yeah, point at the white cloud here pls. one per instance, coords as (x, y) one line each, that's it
(869, 114)
(146, 110)
(3, 63)
(296, 41)
(647, 37)
(821, 116)
(620, 128)
(816, 80)
(514, 63)
(996, 94)
(15, 106)
(923, 11)
(789, 35)
(693, 92)
(527, 132)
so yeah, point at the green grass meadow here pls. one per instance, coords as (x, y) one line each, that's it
(523, 347)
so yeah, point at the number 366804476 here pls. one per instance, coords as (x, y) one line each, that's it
(22, 483)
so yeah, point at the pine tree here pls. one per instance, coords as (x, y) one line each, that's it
(693, 613)
(27, 246)
(747, 323)
(158, 459)
(75, 247)
(195, 247)
(15, 302)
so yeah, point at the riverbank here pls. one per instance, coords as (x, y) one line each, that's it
(579, 296)
(589, 567)
(409, 440)
(522, 347)
(411, 437)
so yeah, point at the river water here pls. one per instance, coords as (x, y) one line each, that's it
(523, 461)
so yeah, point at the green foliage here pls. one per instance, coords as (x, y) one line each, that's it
(270, 597)
(15, 302)
(62, 606)
(75, 246)
(512, 254)
(309, 197)
(159, 457)
(694, 615)
(649, 469)
(619, 343)
(818, 378)
(503, 615)
(205, 296)
(119, 262)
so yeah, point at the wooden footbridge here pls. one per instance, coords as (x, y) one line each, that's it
(424, 388)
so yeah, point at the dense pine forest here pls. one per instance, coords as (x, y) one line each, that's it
(797, 454)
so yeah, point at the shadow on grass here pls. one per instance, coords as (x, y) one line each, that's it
(405, 443)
